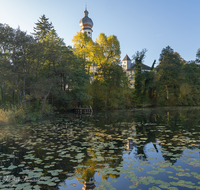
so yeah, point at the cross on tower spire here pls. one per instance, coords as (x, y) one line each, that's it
(86, 23)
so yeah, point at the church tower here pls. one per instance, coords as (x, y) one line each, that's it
(126, 62)
(86, 24)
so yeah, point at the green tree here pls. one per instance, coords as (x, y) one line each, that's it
(115, 81)
(198, 56)
(139, 80)
(60, 72)
(107, 57)
(84, 49)
(43, 26)
(166, 52)
(189, 85)
(107, 52)
(14, 65)
(149, 87)
(109, 80)
(168, 77)
(33, 72)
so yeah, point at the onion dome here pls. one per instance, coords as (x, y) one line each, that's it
(86, 22)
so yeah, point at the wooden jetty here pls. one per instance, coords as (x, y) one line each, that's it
(83, 110)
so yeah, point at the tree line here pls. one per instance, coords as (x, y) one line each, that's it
(39, 73)
(174, 82)
(109, 84)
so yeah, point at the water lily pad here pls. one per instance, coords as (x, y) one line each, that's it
(132, 186)
(51, 184)
(115, 180)
(73, 184)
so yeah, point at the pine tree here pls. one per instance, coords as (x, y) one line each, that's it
(165, 52)
(43, 26)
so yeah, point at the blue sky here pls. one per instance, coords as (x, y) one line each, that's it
(138, 24)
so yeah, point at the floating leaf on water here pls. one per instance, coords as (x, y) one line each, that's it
(115, 180)
(73, 184)
(36, 187)
(11, 167)
(169, 172)
(183, 174)
(153, 172)
(132, 186)
(81, 180)
(172, 188)
(154, 188)
(6, 172)
(51, 184)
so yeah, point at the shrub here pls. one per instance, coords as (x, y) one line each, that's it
(7, 117)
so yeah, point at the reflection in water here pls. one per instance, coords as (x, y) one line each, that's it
(134, 149)
(130, 143)
(89, 185)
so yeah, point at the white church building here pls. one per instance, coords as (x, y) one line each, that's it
(86, 25)
(129, 68)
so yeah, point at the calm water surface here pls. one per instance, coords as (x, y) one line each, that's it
(138, 149)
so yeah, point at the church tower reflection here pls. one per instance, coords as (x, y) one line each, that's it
(89, 185)
(130, 144)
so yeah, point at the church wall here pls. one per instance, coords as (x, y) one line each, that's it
(89, 32)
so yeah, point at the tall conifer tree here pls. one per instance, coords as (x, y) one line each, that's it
(43, 26)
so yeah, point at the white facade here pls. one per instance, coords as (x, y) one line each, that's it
(88, 32)
(126, 64)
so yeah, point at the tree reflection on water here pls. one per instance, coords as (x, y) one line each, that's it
(100, 150)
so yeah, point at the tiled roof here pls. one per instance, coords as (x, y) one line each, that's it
(126, 58)
(143, 66)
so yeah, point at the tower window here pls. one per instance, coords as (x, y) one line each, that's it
(88, 32)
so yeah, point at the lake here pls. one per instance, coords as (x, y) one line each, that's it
(154, 148)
